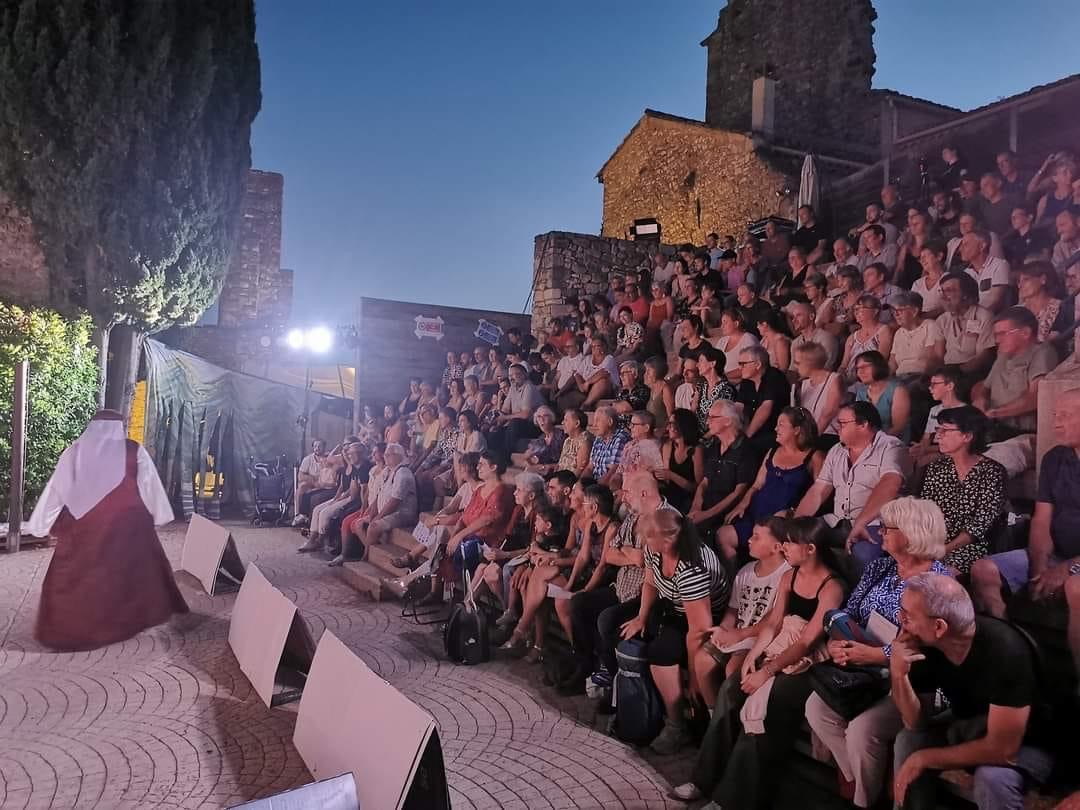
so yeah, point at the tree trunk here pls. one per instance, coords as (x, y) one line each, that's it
(101, 341)
(126, 343)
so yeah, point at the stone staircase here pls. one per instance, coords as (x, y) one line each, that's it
(376, 576)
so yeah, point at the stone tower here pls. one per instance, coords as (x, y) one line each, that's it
(820, 54)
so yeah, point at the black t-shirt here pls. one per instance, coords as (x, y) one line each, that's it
(739, 465)
(808, 238)
(998, 671)
(1059, 485)
(775, 388)
(754, 313)
(686, 353)
(357, 474)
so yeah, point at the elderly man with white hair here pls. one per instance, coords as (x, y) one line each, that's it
(607, 447)
(731, 465)
(986, 671)
(395, 506)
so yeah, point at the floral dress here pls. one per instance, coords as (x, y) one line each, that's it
(637, 397)
(710, 395)
(973, 505)
(879, 590)
(629, 334)
(1047, 317)
(571, 446)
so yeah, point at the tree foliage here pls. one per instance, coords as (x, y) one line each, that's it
(124, 134)
(62, 389)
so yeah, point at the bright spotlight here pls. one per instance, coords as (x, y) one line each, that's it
(295, 339)
(319, 339)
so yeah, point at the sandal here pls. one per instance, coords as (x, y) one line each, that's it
(535, 655)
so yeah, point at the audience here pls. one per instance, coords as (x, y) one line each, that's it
(824, 371)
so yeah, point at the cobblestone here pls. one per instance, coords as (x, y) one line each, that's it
(167, 720)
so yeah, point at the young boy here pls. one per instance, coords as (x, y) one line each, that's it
(751, 597)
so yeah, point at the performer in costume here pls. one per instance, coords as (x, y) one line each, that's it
(109, 577)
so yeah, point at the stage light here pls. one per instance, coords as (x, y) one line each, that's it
(295, 339)
(319, 339)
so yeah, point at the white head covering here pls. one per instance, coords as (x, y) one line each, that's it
(91, 468)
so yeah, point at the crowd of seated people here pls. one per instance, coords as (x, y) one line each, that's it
(785, 463)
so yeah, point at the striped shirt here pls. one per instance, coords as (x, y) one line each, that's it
(702, 579)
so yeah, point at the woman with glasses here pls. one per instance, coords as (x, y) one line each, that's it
(913, 538)
(710, 366)
(870, 335)
(735, 336)
(849, 286)
(816, 290)
(967, 486)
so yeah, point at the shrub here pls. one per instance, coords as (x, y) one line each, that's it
(62, 395)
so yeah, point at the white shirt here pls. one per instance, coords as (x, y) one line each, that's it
(567, 367)
(608, 364)
(310, 466)
(684, 396)
(993, 273)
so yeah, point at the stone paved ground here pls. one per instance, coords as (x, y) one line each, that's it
(167, 720)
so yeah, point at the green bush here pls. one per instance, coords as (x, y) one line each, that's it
(63, 390)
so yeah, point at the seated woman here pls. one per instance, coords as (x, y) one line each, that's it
(784, 476)
(848, 291)
(596, 525)
(456, 398)
(735, 336)
(543, 451)
(661, 398)
(968, 487)
(684, 460)
(914, 543)
(397, 425)
(412, 399)
(469, 440)
(633, 395)
(574, 455)
(660, 327)
(752, 597)
(434, 529)
(424, 434)
(774, 339)
(869, 335)
(484, 521)
(739, 768)
(819, 391)
(685, 592)
(473, 397)
(494, 568)
(439, 460)
(816, 290)
(885, 393)
(629, 338)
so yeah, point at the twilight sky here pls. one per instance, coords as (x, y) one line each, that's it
(425, 144)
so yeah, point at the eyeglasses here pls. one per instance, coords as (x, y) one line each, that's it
(638, 424)
(1006, 333)
(747, 362)
(712, 416)
(885, 528)
(843, 422)
(948, 429)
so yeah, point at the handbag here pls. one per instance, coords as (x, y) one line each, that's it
(849, 691)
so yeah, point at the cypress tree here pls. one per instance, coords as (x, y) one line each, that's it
(125, 136)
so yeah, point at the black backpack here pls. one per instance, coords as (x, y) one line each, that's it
(466, 634)
(565, 671)
(639, 712)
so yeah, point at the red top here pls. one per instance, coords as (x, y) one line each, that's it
(499, 505)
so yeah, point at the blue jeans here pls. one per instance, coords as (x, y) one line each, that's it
(996, 787)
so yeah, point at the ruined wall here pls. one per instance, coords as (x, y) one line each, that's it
(577, 265)
(256, 288)
(820, 52)
(692, 178)
(24, 280)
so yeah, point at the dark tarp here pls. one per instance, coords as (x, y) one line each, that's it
(195, 408)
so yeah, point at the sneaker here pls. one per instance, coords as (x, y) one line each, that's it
(337, 562)
(506, 619)
(300, 520)
(313, 544)
(686, 792)
(672, 739)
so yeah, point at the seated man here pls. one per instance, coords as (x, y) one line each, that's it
(966, 326)
(805, 330)
(1010, 393)
(515, 419)
(763, 393)
(986, 671)
(863, 472)
(686, 395)
(607, 447)
(396, 506)
(1053, 552)
(991, 273)
(599, 375)
(307, 480)
(731, 465)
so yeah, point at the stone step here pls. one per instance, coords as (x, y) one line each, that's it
(364, 578)
(403, 540)
(381, 557)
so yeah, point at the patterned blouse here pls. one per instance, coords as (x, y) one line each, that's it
(1047, 317)
(709, 396)
(443, 452)
(879, 589)
(972, 505)
(571, 446)
(637, 397)
(629, 334)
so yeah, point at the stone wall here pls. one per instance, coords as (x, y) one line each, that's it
(576, 265)
(821, 54)
(694, 179)
(24, 279)
(256, 288)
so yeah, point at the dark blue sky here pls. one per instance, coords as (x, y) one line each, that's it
(424, 145)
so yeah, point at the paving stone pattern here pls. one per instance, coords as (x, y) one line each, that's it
(167, 720)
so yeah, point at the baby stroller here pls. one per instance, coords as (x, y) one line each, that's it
(272, 481)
